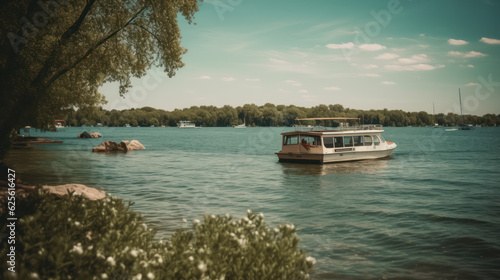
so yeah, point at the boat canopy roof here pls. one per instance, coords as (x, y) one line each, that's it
(334, 132)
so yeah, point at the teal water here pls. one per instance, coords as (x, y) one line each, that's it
(431, 211)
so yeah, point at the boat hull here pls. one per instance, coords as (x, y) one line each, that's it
(332, 157)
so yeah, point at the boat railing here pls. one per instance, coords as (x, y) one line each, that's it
(341, 127)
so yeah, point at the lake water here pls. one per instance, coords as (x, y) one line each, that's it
(431, 211)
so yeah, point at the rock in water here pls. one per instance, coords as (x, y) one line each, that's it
(108, 146)
(90, 193)
(123, 146)
(95, 135)
(84, 134)
(134, 145)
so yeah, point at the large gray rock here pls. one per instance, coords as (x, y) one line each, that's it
(123, 146)
(84, 134)
(90, 193)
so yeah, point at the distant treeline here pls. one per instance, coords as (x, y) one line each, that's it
(266, 115)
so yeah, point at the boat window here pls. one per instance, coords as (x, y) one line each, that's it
(328, 142)
(358, 140)
(382, 138)
(376, 140)
(310, 140)
(367, 140)
(348, 141)
(291, 140)
(339, 142)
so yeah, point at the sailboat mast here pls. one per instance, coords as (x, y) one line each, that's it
(460, 97)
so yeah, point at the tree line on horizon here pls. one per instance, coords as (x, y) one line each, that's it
(265, 115)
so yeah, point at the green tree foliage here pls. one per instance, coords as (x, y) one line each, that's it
(55, 54)
(266, 115)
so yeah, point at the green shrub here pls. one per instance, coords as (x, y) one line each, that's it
(72, 237)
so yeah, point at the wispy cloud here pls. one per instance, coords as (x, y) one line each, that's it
(227, 79)
(371, 75)
(252, 79)
(415, 67)
(349, 45)
(332, 88)
(457, 42)
(490, 41)
(293, 83)
(387, 56)
(467, 66)
(205, 77)
(303, 91)
(418, 58)
(388, 83)
(466, 54)
(372, 47)
(274, 60)
(471, 84)
(370, 66)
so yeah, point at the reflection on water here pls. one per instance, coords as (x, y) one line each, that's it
(372, 166)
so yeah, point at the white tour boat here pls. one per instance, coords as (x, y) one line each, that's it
(342, 144)
(186, 124)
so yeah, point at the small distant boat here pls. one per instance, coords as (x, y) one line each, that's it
(240, 125)
(59, 124)
(186, 124)
(127, 125)
(451, 129)
(463, 126)
(346, 143)
(98, 124)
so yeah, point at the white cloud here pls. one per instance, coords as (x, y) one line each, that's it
(370, 66)
(457, 42)
(372, 75)
(471, 84)
(205, 77)
(418, 58)
(303, 91)
(466, 54)
(388, 83)
(415, 67)
(293, 83)
(308, 97)
(277, 60)
(252, 79)
(423, 46)
(387, 56)
(467, 66)
(490, 41)
(332, 88)
(371, 47)
(227, 79)
(349, 45)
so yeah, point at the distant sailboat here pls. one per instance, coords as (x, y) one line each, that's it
(463, 126)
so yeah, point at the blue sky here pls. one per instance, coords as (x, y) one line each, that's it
(361, 54)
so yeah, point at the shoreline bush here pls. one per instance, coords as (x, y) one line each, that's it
(72, 237)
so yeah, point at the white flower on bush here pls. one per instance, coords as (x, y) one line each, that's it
(261, 215)
(34, 275)
(150, 276)
(77, 249)
(145, 226)
(202, 267)
(99, 255)
(249, 211)
(137, 277)
(77, 223)
(111, 261)
(311, 260)
(191, 258)
(196, 222)
(104, 276)
(134, 253)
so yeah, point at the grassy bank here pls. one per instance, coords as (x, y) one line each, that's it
(72, 237)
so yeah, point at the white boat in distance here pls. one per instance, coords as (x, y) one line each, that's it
(186, 124)
(346, 143)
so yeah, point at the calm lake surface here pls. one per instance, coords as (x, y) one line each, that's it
(431, 211)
